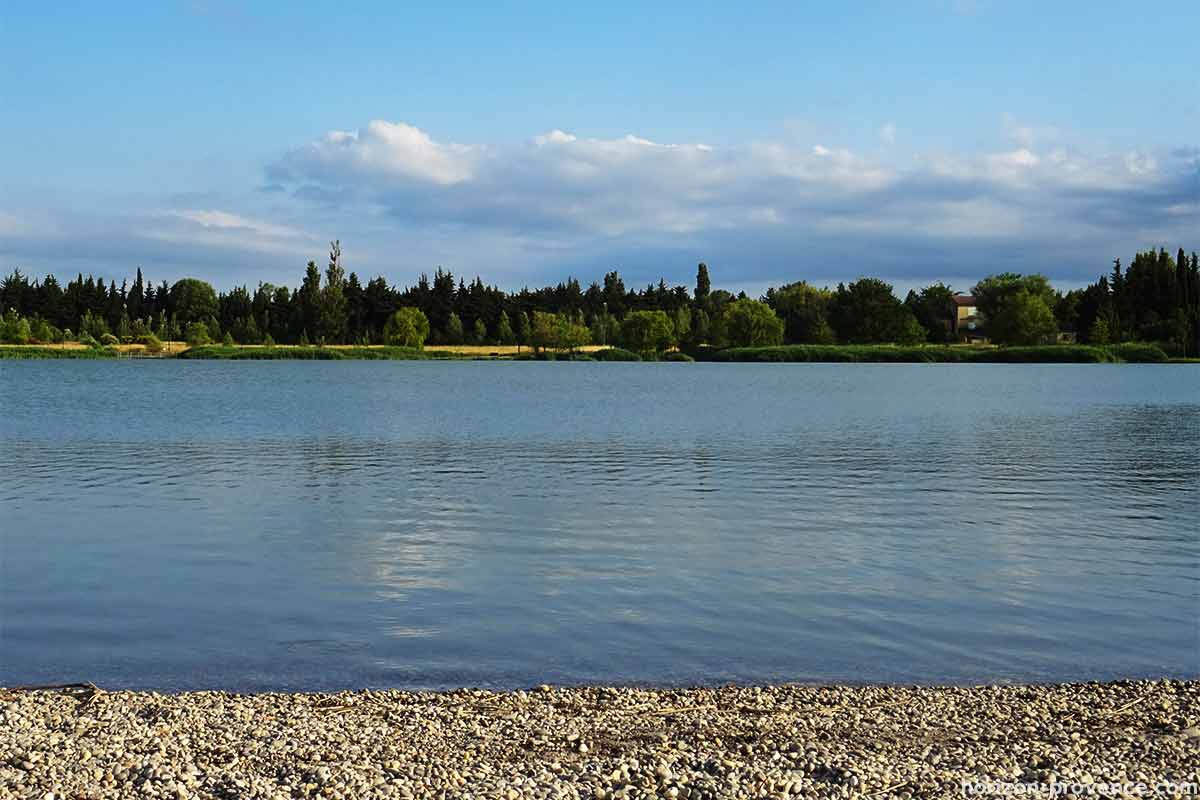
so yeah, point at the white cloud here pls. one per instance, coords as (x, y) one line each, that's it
(385, 151)
(404, 201)
(563, 187)
(225, 221)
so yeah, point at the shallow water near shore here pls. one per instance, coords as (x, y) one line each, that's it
(284, 525)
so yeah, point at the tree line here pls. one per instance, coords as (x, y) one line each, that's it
(1157, 298)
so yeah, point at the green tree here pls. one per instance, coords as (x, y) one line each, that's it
(994, 291)
(751, 323)
(701, 327)
(647, 332)
(193, 300)
(504, 331)
(570, 333)
(214, 329)
(227, 339)
(605, 328)
(1024, 318)
(42, 331)
(703, 285)
(14, 329)
(804, 310)
(524, 330)
(480, 332)
(407, 327)
(1099, 331)
(681, 323)
(543, 331)
(934, 310)
(454, 329)
(867, 312)
(332, 303)
(197, 334)
(92, 325)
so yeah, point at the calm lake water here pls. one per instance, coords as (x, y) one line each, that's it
(296, 525)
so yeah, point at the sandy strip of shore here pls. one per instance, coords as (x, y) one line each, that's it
(775, 741)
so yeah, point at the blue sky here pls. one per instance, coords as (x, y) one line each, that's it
(922, 140)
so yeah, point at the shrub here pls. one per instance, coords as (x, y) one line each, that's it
(677, 356)
(305, 354)
(1049, 354)
(14, 329)
(152, 343)
(615, 354)
(197, 334)
(1138, 352)
(108, 340)
(914, 354)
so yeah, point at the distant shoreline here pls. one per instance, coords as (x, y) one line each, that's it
(953, 354)
(605, 742)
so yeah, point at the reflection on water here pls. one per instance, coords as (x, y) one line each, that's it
(332, 525)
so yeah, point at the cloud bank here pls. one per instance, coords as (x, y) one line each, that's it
(404, 201)
(1038, 194)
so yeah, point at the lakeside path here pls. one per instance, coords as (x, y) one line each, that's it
(786, 741)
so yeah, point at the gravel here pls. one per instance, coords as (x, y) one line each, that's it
(603, 742)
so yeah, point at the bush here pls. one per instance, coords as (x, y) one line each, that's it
(307, 353)
(1138, 353)
(151, 343)
(197, 334)
(108, 340)
(14, 329)
(677, 356)
(615, 354)
(916, 354)
(1050, 354)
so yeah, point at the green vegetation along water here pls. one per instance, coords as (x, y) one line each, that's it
(1133, 353)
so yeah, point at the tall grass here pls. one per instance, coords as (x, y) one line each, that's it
(24, 352)
(1052, 354)
(312, 353)
(615, 354)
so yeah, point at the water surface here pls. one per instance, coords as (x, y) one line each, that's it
(292, 525)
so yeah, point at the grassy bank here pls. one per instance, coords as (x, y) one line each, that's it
(314, 353)
(1131, 353)
(22, 352)
(1049, 354)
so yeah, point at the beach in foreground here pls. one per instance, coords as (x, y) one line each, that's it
(774, 741)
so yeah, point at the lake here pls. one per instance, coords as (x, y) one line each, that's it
(289, 525)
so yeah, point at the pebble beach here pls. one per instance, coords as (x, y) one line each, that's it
(1128, 738)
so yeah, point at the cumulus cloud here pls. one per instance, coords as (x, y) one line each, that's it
(380, 152)
(569, 187)
(403, 200)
